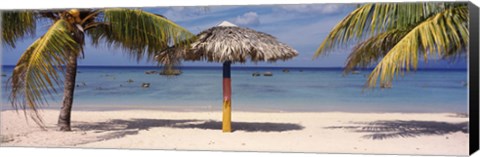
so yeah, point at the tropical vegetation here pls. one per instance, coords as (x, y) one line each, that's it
(37, 75)
(393, 37)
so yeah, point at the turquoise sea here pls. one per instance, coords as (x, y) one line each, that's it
(300, 89)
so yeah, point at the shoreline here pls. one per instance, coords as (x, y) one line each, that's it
(218, 109)
(326, 132)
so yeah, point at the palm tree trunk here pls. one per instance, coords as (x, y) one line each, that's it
(227, 96)
(69, 87)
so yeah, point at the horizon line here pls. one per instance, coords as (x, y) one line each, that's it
(233, 66)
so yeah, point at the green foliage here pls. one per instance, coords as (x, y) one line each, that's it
(371, 50)
(400, 33)
(139, 33)
(36, 73)
(18, 25)
(444, 34)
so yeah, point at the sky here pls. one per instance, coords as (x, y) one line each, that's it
(301, 26)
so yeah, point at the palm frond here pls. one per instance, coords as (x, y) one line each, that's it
(16, 25)
(37, 71)
(445, 34)
(141, 34)
(371, 50)
(371, 19)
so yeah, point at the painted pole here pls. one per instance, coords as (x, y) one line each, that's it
(227, 98)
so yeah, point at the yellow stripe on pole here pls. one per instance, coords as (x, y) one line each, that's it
(227, 116)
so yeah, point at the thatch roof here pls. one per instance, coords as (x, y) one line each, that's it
(228, 42)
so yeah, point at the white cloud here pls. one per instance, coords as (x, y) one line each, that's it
(189, 13)
(309, 8)
(184, 13)
(247, 19)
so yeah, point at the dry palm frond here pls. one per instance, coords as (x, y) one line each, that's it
(235, 44)
(16, 25)
(141, 34)
(170, 58)
(444, 34)
(37, 71)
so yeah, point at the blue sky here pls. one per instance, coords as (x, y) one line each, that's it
(302, 26)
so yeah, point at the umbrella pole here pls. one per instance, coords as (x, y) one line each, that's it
(227, 95)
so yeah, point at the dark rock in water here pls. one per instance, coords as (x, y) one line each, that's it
(130, 81)
(268, 74)
(151, 72)
(300, 70)
(255, 74)
(145, 85)
(4, 75)
(171, 72)
(82, 84)
(286, 70)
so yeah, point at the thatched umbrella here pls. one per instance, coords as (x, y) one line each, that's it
(228, 43)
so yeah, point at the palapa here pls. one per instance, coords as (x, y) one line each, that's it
(231, 43)
(228, 43)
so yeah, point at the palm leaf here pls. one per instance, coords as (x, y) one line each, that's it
(371, 19)
(445, 34)
(371, 50)
(36, 73)
(141, 34)
(16, 25)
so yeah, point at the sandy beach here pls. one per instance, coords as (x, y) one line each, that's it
(327, 132)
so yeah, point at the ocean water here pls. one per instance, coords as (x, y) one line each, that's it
(301, 89)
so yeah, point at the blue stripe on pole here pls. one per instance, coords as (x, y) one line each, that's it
(226, 69)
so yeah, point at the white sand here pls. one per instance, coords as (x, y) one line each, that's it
(434, 134)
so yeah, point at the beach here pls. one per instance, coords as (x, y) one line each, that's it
(240, 78)
(319, 132)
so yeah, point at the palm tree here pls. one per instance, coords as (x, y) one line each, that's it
(394, 36)
(37, 73)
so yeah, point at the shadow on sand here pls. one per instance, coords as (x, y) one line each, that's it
(380, 130)
(120, 128)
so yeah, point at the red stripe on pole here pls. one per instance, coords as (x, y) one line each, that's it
(227, 89)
